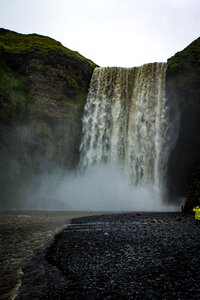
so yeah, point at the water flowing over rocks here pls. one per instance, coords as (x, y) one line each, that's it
(125, 125)
(121, 256)
(125, 121)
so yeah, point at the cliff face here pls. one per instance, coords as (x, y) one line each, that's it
(43, 89)
(183, 88)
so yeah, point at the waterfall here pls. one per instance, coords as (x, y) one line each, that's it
(125, 122)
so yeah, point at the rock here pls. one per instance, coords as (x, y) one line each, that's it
(179, 219)
(183, 92)
(157, 221)
(154, 221)
(43, 89)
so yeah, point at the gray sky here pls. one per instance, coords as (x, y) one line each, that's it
(122, 33)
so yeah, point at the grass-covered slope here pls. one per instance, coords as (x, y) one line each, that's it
(183, 61)
(20, 43)
(43, 89)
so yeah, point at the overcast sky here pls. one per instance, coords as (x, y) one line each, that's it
(122, 33)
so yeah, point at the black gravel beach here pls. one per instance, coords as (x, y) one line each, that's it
(119, 256)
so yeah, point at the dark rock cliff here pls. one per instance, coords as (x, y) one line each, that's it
(43, 89)
(183, 89)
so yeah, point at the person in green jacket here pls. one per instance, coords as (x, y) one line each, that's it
(197, 214)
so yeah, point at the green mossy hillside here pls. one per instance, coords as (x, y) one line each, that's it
(17, 43)
(186, 57)
(33, 65)
(14, 101)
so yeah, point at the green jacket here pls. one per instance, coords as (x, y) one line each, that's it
(197, 212)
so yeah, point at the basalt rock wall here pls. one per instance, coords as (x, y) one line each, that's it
(183, 91)
(43, 89)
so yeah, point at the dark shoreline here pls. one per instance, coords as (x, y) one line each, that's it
(119, 256)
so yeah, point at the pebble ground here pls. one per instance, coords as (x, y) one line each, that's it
(121, 256)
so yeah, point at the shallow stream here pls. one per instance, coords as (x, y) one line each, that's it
(21, 234)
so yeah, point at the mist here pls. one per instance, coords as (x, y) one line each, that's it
(99, 188)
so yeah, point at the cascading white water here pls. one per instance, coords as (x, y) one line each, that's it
(125, 122)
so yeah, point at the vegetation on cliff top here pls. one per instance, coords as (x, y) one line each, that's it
(185, 58)
(20, 43)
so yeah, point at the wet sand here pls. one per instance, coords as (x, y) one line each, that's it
(119, 256)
